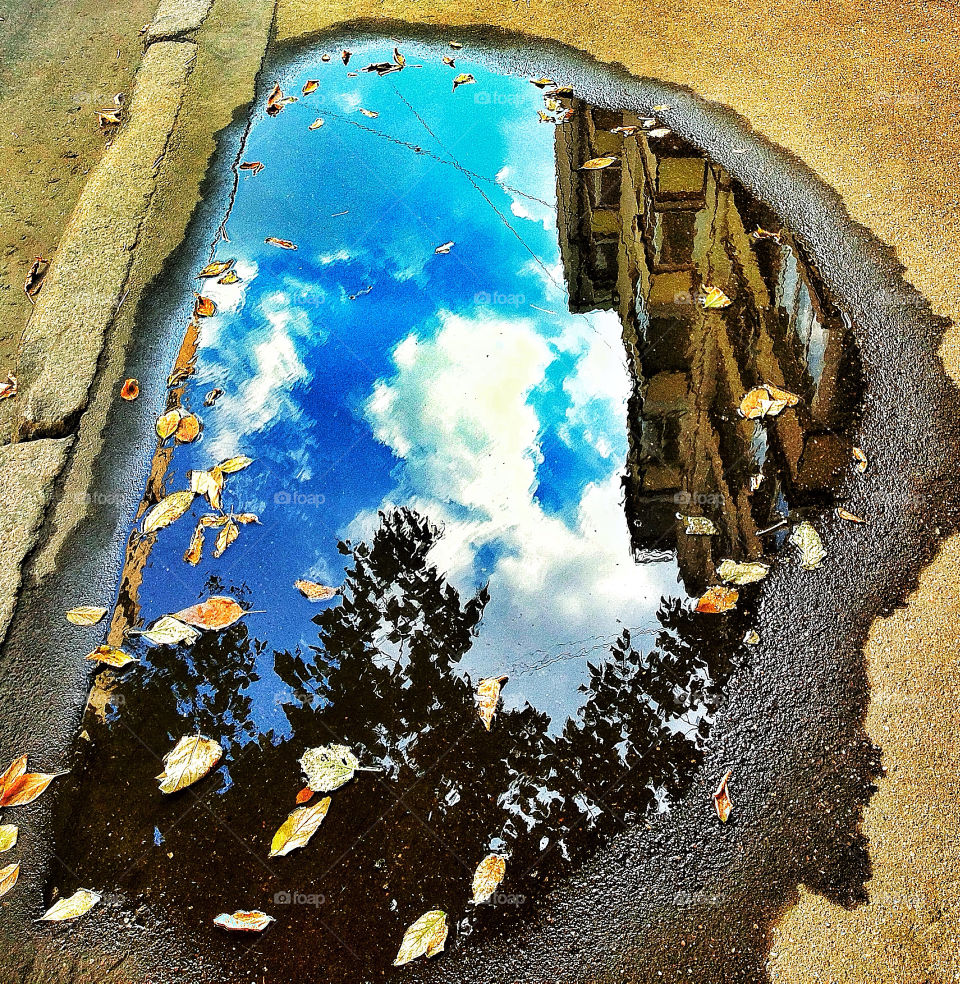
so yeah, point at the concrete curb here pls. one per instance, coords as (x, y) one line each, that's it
(175, 19)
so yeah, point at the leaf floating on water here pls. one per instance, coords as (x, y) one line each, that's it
(208, 483)
(316, 124)
(245, 519)
(859, 460)
(228, 534)
(167, 423)
(282, 243)
(749, 572)
(194, 551)
(189, 760)
(445, 247)
(26, 788)
(659, 131)
(9, 874)
(371, 114)
(766, 401)
(699, 526)
(235, 464)
(345, 56)
(216, 268)
(255, 167)
(487, 877)
(230, 277)
(313, 591)
(218, 612)
(324, 57)
(298, 828)
(110, 656)
(426, 937)
(188, 429)
(328, 767)
(86, 615)
(542, 83)
(246, 921)
(212, 397)
(130, 390)
(80, 903)
(806, 539)
(456, 45)
(447, 60)
(718, 600)
(170, 631)
(752, 637)
(304, 796)
(382, 68)
(598, 163)
(8, 836)
(626, 131)
(715, 298)
(721, 799)
(488, 696)
(312, 84)
(464, 78)
(849, 516)
(204, 307)
(398, 58)
(759, 233)
(167, 511)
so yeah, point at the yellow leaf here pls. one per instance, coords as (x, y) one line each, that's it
(230, 277)
(14, 771)
(315, 592)
(236, 464)
(167, 423)
(598, 163)
(246, 519)
(227, 535)
(310, 86)
(718, 600)
(733, 572)
(487, 877)
(216, 268)
(195, 550)
(298, 828)
(110, 656)
(328, 767)
(445, 247)
(849, 516)
(9, 876)
(8, 836)
(807, 541)
(170, 631)
(204, 307)
(82, 901)
(715, 298)
(282, 243)
(859, 460)
(425, 937)
(464, 78)
(721, 799)
(208, 483)
(369, 113)
(488, 696)
(316, 124)
(167, 511)
(253, 921)
(766, 401)
(189, 760)
(85, 615)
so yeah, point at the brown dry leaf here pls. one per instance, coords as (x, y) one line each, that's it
(245, 519)
(304, 796)
(715, 298)
(216, 268)
(243, 920)
(230, 277)
(168, 510)
(542, 83)
(204, 307)
(598, 163)
(9, 387)
(85, 615)
(108, 117)
(425, 937)
(464, 78)
(721, 799)
(130, 389)
(26, 789)
(111, 656)
(208, 483)
(849, 516)
(315, 592)
(194, 551)
(447, 60)
(444, 248)
(316, 124)
(488, 696)
(214, 614)
(859, 460)
(372, 114)
(168, 422)
(718, 600)
(312, 84)
(189, 760)
(382, 68)
(14, 771)
(298, 828)
(8, 836)
(228, 534)
(8, 877)
(487, 877)
(212, 396)
(188, 429)
(345, 56)
(282, 243)
(235, 464)
(216, 521)
(766, 401)
(81, 902)
(276, 94)
(255, 167)
(35, 275)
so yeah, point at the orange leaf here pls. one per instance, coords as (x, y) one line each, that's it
(282, 243)
(204, 307)
(311, 86)
(14, 771)
(130, 389)
(717, 600)
(26, 789)
(215, 613)
(188, 429)
(254, 166)
(304, 796)
(721, 799)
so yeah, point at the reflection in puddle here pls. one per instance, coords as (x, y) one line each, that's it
(488, 448)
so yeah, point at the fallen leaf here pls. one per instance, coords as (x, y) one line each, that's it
(170, 631)
(312, 85)
(85, 615)
(447, 60)
(313, 591)
(849, 516)
(766, 401)
(542, 83)
(230, 277)
(487, 877)
(721, 799)
(752, 637)
(194, 551)
(345, 56)
(464, 78)
(108, 117)
(34, 280)
(168, 422)
(252, 921)
(9, 875)
(806, 539)
(216, 268)
(8, 836)
(382, 68)
(859, 460)
(398, 58)
(445, 247)
(208, 483)
(189, 760)
(9, 387)
(626, 131)
(110, 656)
(167, 511)
(372, 114)
(188, 429)
(213, 519)
(298, 828)
(218, 612)
(235, 464)
(324, 57)
(717, 600)
(316, 124)
(456, 45)
(26, 788)
(759, 233)
(561, 92)
(598, 163)
(328, 767)
(659, 131)
(304, 796)
(661, 109)
(81, 902)
(282, 243)
(14, 771)
(203, 307)
(276, 95)
(699, 526)
(212, 397)
(254, 166)
(425, 937)
(715, 298)
(245, 519)
(130, 389)
(228, 534)
(488, 696)
(749, 572)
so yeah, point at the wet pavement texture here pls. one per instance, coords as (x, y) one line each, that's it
(458, 521)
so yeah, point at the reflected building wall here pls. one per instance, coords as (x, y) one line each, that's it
(647, 237)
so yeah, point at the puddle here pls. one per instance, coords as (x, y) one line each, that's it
(488, 448)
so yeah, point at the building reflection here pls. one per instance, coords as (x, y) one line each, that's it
(647, 237)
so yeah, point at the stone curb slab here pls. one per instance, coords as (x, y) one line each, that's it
(175, 18)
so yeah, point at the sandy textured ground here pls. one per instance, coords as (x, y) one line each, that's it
(867, 94)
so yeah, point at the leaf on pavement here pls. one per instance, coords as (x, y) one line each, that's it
(749, 572)
(717, 600)
(488, 697)
(328, 767)
(487, 877)
(8, 836)
(425, 937)
(859, 460)
(9, 875)
(721, 799)
(298, 828)
(313, 591)
(248, 921)
(170, 631)
(110, 656)
(14, 771)
(85, 615)
(304, 796)
(9, 387)
(715, 298)
(188, 429)
(807, 541)
(849, 516)
(214, 614)
(81, 902)
(168, 510)
(189, 760)
(26, 788)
